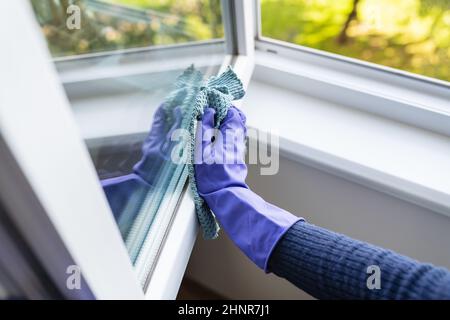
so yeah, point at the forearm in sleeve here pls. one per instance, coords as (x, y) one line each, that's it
(329, 265)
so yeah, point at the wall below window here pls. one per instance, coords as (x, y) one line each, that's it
(331, 202)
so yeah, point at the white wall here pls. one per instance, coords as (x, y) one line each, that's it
(333, 203)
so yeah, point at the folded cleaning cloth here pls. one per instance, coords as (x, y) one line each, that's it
(195, 96)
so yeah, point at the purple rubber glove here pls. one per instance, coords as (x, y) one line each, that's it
(254, 225)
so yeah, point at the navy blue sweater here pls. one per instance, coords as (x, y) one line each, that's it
(328, 265)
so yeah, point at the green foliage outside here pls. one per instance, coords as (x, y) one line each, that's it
(412, 35)
(118, 24)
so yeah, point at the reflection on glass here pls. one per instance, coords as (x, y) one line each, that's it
(412, 35)
(137, 197)
(144, 190)
(128, 103)
(107, 25)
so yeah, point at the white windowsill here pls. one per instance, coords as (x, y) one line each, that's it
(405, 161)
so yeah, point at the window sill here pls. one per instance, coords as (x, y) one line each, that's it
(402, 160)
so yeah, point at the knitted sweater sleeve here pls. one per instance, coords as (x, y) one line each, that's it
(328, 265)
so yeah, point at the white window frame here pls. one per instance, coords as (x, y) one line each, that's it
(389, 102)
(39, 132)
(284, 65)
(399, 97)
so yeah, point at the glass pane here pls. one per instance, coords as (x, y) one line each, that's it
(138, 173)
(87, 26)
(412, 35)
(128, 103)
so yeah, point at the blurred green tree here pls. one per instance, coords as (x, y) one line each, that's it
(412, 35)
(118, 24)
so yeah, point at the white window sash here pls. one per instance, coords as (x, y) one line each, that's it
(43, 139)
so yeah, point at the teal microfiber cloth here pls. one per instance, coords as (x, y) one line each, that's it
(194, 95)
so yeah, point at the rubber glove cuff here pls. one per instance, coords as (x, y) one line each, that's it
(255, 225)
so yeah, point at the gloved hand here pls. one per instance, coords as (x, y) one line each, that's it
(254, 225)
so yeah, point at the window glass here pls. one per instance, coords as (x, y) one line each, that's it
(86, 26)
(129, 102)
(412, 35)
